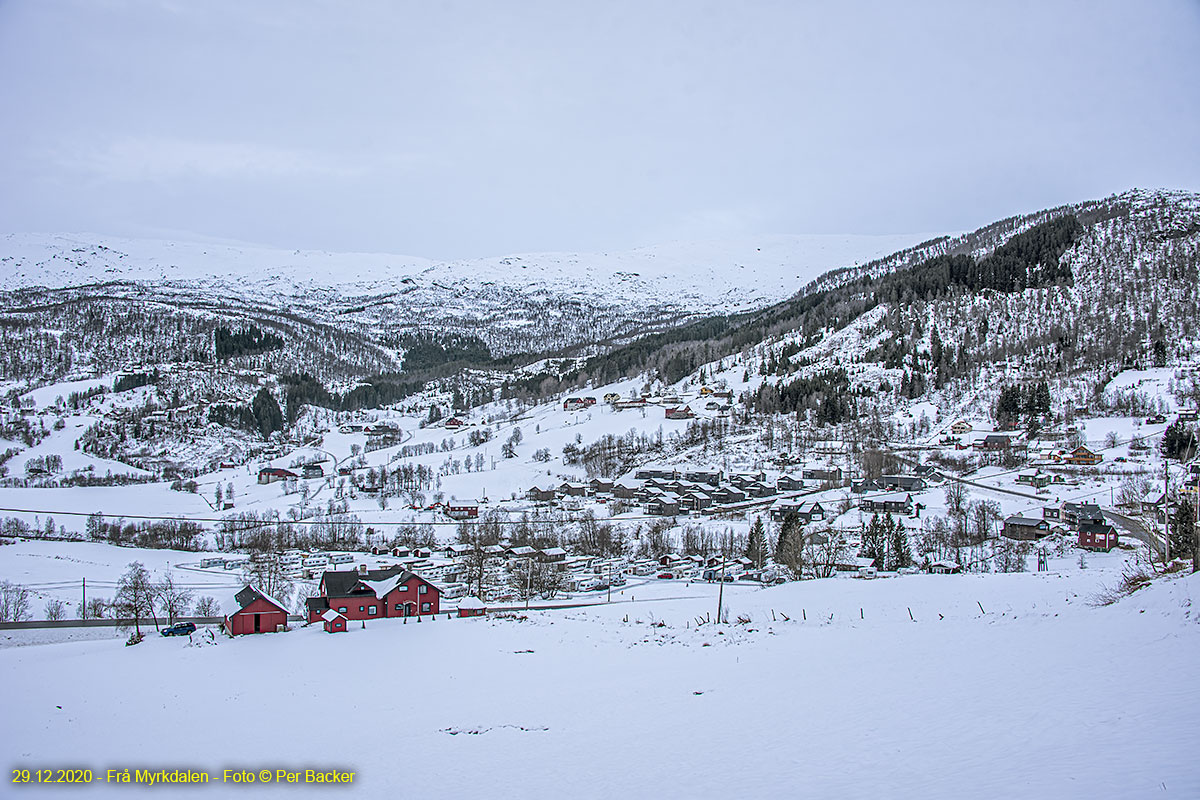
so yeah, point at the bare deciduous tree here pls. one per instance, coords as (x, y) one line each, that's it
(55, 609)
(206, 607)
(172, 598)
(135, 595)
(14, 602)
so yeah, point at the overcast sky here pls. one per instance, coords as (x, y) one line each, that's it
(455, 129)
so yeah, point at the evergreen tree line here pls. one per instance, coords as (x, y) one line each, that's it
(374, 392)
(135, 380)
(248, 341)
(1031, 404)
(262, 416)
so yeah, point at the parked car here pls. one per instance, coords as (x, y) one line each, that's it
(180, 629)
(666, 575)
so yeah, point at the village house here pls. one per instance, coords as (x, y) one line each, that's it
(710, 476)
(727, 494)
(961, 427)
(374, 594)
(994, 442)
(626, 488)
(258, 613)
(272, 474)
(1097, 536)
(600, 486)
(866, 485)
(789, 483)
(462, 510)
(903, 483)
(1024, 528)
(1083, 457)
(1075, 514)
(542, 494)
(656, 473)
(680, 412)
(898, 503)
(664, 505)
(1035, 479)
(824, 474)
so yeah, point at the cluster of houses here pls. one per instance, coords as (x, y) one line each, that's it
(667, 491)
(1084, 519)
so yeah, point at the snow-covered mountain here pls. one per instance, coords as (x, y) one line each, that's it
(731, 274)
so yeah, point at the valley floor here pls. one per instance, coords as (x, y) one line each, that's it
(1040, 694)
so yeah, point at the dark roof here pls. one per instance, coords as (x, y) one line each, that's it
(341, 583)
(1096, 527)
(248, 595)
(316, 604)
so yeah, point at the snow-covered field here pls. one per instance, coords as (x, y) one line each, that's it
(1041, 696)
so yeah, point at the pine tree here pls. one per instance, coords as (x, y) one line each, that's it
(872, 542)
(1183, 529)
(266, 413)
(899, 554)
(756, 545)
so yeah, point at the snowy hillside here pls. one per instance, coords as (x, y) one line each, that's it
(517, 303)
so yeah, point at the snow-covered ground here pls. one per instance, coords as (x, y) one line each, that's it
(1037, 695)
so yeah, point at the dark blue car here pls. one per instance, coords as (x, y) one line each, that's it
(180, 629)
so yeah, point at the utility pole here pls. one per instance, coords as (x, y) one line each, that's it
(83, 605)
(1166, 512)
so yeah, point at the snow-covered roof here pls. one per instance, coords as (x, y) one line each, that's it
(381, 588)
(330, 615)
(470, 602)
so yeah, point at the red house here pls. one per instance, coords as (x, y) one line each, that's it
(375, 594)
(334, 622)
(462, 511)
(272, 474)
(1097, 536)
(259, 613)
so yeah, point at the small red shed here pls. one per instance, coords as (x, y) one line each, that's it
(259, 613)
(334, 622)
(471, 607)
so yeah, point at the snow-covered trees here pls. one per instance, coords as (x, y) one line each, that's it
(265, 572)
(14, 602)
(172, 598)
(206, 607)
(55, 609)
(135, 595)
(756, 546)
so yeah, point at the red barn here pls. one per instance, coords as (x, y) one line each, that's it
(334, 622)
(259, 613)
(379, 593)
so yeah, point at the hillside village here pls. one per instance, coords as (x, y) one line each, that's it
(826, 480)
